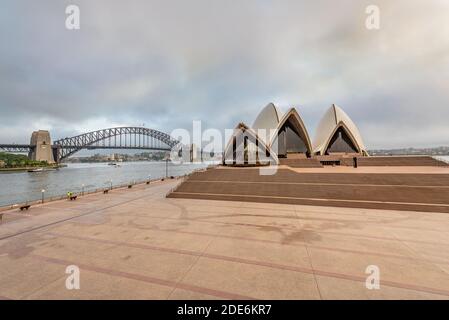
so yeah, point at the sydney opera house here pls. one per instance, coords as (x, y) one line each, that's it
(275, 136)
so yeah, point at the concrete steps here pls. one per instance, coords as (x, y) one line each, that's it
(421, 192)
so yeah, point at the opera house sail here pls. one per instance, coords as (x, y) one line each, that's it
(337, 134)
(245, 147)
(291, 136)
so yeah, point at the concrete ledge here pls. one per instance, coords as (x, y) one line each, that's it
(420, 207)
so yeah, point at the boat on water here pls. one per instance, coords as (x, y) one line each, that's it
(42, 169)
(112, 164)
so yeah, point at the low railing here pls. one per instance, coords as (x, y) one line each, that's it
(82, 193)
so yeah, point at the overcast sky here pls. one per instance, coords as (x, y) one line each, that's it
(166, 63)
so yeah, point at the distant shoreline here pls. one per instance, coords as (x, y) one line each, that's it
(22, 169)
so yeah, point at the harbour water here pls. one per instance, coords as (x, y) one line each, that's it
(19, 187)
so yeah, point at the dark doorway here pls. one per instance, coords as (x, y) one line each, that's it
(290, 140)
(341, 143)
(245, 150)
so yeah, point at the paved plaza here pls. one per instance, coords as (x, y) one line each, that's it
(137, 244)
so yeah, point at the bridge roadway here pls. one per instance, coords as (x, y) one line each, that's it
(16, 147)
(27, 147)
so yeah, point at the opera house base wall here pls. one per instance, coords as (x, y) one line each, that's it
(409, 161)
(299, 161)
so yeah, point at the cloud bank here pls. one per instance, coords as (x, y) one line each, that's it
(166, 63)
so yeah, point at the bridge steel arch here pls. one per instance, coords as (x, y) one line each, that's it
(117, 138)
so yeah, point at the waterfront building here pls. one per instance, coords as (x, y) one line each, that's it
(275, 136)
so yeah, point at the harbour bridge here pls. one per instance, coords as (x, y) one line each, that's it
(139, 138)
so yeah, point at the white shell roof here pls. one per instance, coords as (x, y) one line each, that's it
(267, 119)
(228, 152)
(331, 120)
(302, 128)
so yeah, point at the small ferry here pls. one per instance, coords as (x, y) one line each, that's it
(42, 169)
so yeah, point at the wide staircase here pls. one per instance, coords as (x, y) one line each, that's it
(411, 161)
(414, 192)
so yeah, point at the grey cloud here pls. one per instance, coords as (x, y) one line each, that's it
(166, 63)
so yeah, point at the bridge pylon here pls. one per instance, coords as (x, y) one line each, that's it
(42, 150)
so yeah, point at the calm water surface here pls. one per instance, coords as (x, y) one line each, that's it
(20, 187)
